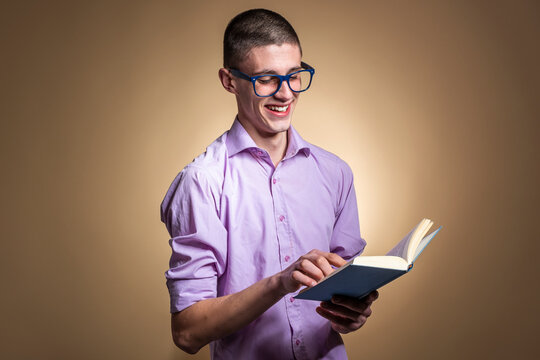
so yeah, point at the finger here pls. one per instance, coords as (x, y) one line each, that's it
(303, 279)
(334, 259)
(354, 304)
(359, 305)
(342, 325)
(310, 269)
(325, 260)
(320, 261)
(343, 322)
(372, 296)
(340, 329)
(340, 311)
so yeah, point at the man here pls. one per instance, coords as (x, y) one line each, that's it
(261, 214)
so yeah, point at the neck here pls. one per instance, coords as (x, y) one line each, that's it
(275, 144)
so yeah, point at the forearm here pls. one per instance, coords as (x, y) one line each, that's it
(212, 319)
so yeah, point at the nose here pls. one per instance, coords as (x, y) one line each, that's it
(284, 93)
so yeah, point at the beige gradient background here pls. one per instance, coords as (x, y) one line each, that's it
(435, 105)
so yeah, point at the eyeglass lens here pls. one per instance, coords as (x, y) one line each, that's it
(268, 85)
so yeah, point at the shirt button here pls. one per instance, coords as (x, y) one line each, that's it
(260, 153)
(287, 258)
(274, 181)
(281, 218)
(297, 342)
(291, 299)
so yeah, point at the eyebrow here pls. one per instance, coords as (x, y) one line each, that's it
(273, 72)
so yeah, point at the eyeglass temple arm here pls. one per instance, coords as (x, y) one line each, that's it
(306, 66)
(240, 74)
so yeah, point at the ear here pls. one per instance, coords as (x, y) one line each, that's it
(227, 80)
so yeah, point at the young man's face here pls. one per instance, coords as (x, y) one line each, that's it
(268, 116)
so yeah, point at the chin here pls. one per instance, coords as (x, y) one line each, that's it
(279, 125)
(281, 122)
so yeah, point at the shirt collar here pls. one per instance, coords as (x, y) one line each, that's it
(239, 140)
(296, 144)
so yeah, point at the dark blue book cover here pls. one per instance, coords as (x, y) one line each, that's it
(362, 275)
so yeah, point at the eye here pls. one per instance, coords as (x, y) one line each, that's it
(264, 80)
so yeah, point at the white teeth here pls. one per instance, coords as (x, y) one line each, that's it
(278, 108)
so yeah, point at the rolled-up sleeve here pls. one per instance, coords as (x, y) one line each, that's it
(190, 210)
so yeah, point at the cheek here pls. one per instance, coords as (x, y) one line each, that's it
(257, 104)
(248, 104)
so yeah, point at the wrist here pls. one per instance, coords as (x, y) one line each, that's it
(277, 286)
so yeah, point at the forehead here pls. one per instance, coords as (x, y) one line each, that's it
(277, 58)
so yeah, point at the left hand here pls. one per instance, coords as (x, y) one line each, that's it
(347, 313)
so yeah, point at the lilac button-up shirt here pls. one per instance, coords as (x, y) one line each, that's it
(235, 219)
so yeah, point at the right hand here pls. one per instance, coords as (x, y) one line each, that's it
(308, 270)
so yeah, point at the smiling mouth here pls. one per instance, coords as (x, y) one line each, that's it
(278, 109)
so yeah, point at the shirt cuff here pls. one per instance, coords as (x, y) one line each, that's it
(186, 292)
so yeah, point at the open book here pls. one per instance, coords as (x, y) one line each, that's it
(363, 274)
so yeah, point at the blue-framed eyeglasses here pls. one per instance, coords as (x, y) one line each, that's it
(268, 84)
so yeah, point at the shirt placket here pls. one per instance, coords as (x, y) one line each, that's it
(287, 257)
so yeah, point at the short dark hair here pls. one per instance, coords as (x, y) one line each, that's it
(252, 28)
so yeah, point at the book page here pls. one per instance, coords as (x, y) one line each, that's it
(417, 236)
(402, 247)
(406, 247)
(385, 262)
(424, 243)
